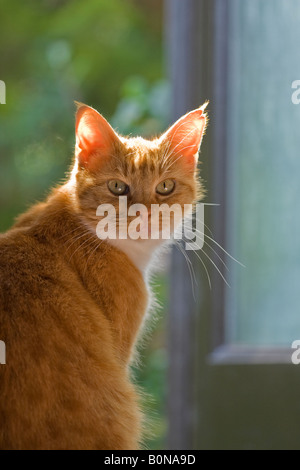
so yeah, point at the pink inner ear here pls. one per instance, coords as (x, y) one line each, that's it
(186, 134)
(93, 134)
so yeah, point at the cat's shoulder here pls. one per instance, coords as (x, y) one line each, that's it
(23, 255)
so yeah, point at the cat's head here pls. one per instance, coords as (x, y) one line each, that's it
(147, 172)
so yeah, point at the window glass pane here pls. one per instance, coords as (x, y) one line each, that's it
(263, 305)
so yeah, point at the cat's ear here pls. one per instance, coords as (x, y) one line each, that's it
(95, 137)
(185, 136)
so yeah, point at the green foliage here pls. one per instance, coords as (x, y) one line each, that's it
(52, 53)
(143, 108)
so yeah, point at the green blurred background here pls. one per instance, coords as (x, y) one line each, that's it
(107, 54)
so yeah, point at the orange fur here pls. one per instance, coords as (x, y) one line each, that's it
(71, 306)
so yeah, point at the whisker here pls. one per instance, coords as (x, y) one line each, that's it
(76, 238)
(71, 231)
(80, 246)
(206, 270)
(91, 252)
(190, 268)
(215, 267)
(214, 241)
(190, 216)
(215, 252)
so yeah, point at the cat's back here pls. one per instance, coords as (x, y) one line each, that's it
(61, 379)
(19, 255)
(39, 290)
(28, 268)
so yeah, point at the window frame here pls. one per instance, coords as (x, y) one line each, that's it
(199, 29)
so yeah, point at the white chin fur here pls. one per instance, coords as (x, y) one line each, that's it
(140, 252)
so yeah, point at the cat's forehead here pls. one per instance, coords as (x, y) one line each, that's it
(140, 153)
(139, 146)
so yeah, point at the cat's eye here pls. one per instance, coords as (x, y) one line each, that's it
(118, 187)
(165, 187)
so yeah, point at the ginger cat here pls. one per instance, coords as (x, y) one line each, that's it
(71, 305)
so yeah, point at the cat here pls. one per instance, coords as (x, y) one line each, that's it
(71, 305)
